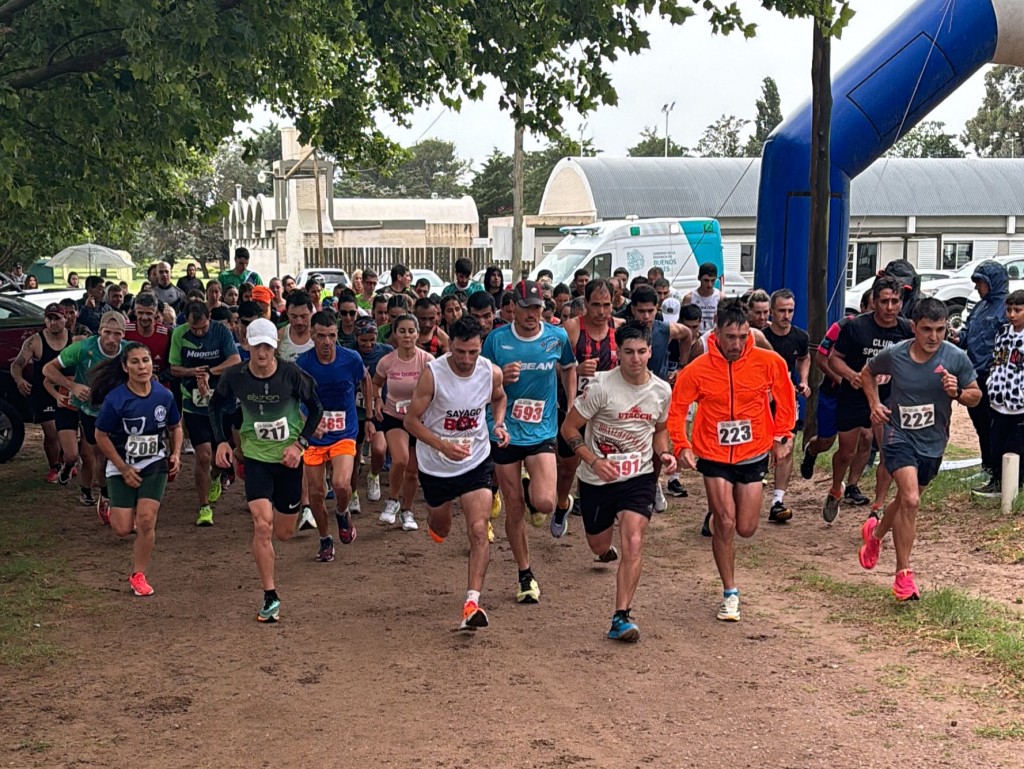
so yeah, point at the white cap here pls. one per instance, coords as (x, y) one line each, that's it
(261, 331)
(670, 309)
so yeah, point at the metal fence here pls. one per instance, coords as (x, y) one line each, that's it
(440, 259)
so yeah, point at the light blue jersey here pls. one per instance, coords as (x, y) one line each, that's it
(532, 413)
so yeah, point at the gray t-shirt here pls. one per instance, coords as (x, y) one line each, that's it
(921, 409)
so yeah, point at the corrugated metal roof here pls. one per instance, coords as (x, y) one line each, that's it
(431, 210)
(727, 187)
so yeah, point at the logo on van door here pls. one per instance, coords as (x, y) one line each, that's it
(634, 261)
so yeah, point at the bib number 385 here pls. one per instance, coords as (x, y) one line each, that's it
(917, 417)
(528, 411)
(272, 431)
(735, 432)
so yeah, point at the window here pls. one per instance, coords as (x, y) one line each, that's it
(601, 267)
(864, 262)
(746, 257)
(956, 254)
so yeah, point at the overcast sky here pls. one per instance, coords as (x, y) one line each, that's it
(705, 75)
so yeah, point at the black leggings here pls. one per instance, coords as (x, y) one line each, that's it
(981, 416)
(1007, 436)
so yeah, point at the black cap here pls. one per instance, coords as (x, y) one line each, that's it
(527, 294)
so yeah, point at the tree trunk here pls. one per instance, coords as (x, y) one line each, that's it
(817, 254)
(517, 199)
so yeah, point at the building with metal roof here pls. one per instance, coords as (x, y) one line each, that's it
(938, 213)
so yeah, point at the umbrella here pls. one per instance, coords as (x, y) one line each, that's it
(89, 256)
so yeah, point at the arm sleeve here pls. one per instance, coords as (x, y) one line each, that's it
(70, 355)
(222, 396)
(684, 393)
(305, 390)
(844, 344)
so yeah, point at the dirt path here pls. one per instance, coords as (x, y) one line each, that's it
(365, 671)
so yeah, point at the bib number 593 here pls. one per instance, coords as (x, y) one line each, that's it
(528, 411)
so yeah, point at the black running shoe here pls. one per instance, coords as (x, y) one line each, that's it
(854, 496)
(67, 472)
(676, 489)
(993, 490)
(779, 513)
(705, 530)
(807, 464)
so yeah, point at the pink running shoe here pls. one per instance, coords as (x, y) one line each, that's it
(871, 548)
(139, 585)
(103, 510)
(904, 587)
(51, 475)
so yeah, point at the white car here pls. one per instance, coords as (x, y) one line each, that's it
(932, 281)
(506, 276)
(436, 283)
(332, 277)
(1014, 267)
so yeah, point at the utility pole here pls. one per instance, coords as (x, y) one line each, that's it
(517, 195)
(667, 108)
(817, 254)
(583, 128)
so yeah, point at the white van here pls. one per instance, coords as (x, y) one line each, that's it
(677, 246)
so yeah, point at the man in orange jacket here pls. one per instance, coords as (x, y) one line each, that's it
(734, 432)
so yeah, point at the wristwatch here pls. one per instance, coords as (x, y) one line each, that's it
(303, 442)
(783, 440)
(500, 426)
(959, 392)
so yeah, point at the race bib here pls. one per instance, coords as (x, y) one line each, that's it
(917, 417)
(359, 398)
(333, 421)
(735, 432)
(466, 443)
(582, 384)
(200, 400)
(402, 407)
(138, 447)
(626, 465)
(528, 411)
(272, 431)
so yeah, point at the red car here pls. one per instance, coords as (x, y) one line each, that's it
(18, 320)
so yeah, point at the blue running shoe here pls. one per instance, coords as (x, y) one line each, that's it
(623, 628)
(271, 610)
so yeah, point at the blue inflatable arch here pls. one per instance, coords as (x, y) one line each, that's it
(890, 87)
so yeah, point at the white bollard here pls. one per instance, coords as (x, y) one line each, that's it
(1011, 476)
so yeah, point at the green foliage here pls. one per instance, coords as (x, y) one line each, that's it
(653, 146)
(997, 129)
(927, 139)
(721, 139)
(769, 115)
(833, 16)
(492, 187)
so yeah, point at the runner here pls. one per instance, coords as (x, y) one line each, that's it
(927, 375)
(240, 274)
(431, 338)
(625, 413)
(859, 341)
(147, 330)
(80, 357)
(201, 351)
(705, 296)
(371, 353)
(347, 312)
(400, 370)
(273, 440)
(293, 340)
(447, 417)
(532, 356)
(759, 309)
(733, 433)
(593, 340)
(793, 345)
(36, 351)
(463, 281)
(138, 431)
(339, 374)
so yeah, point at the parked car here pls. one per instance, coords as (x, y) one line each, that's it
(19, 319)
(332, 277)
(1015, 270)
(931, 281)
(436, 283)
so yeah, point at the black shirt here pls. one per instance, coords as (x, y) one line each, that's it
(862, 339)
(791, 346)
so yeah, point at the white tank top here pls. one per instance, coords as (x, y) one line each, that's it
(708, 307)
(458, 412)
(288, 350)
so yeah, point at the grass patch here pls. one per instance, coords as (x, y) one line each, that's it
(34, 585)
(962, 624)
(1014, 731)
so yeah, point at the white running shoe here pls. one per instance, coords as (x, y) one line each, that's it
(187, 448)
(372, 487)
(390, 512)
(729, 611)
(408, 522)
(306, 520)
(660, 503)
(353, 504)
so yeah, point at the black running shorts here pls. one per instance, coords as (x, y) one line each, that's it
(512, 454)
(751, 472)
(601, 504)
(438, 491)
(281, 485)
(200, 430)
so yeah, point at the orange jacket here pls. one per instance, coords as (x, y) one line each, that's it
(733, 392)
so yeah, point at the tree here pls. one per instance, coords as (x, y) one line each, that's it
(927, 139)
(721, 139)
(769, 115)
(492, 187)
(997, 129)
(432, 168)
(653, 146)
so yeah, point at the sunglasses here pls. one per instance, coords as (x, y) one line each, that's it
(348, 313)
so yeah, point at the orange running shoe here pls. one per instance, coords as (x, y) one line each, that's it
(473, 617)
(139, 585)
(904, 587)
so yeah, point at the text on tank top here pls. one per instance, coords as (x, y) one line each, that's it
(457, 413)
(708, 307)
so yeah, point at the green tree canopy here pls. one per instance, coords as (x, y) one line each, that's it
(769, 115)
(927, 139)
(653, 146)
(997, 129)
(721, 139)
(492, 187)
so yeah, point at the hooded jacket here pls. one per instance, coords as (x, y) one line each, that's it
(905, 272)
(979, 334)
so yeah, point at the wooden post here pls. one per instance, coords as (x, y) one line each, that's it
(517, 197)
(319, 215)
(1011, 477)
(817, 253)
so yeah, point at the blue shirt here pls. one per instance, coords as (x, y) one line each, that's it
(538, 380)
(137, 426)
(370, 360)
(336, 386)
